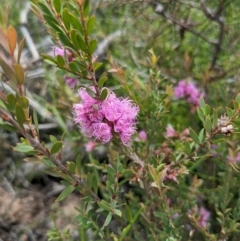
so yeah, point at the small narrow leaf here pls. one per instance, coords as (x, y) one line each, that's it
(105, 206)
(19, 74)
(60, 61)
(187, 148)
(200, 114)
(90, 24)
(237, 99)
(20, 49)
(20, 115)
(104, 94)
(92, 46)
(57, 5)
(202, 105)
(12, 38)
(78, 41)
(11, 101)
(102, 80)
(53, 139)
(56, 147)
(23, 148)
(35, 121)
(76, 23)
(71, 167)
(95, 183)
(214, 118)
(91, 93)
(108, 219)
(97, 65)
(208, 125)
(8, 70)
(48, 162)
(194, 136)
(128, 213)
(66, 18)
(89, 180)
(65, 193)
(79, 164)
(86, 8)
(118, 212)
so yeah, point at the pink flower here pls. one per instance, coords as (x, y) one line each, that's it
(142, 135)
(103, 119)
(62, 52)
(170, 131)
(187, 89)
(204, 216)
(89, 146)
(70, 81)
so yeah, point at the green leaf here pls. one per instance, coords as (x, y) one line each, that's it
(214, 118)
(20, 48)
(53, 139)
(60, 61)
(23, 148)
(102, 80)
(56, 147)
(90, 24)
(201, 136)
(111, 170)
(95, 184)
(35, 121)
(89, 180)
(97, 65)
(128, 213)
(78, 41)
(230, 112)
(207, 110)
(48, 162)
(79, 164)
(118, 212)
(237, 99)
(76, 23)
(44, 8)
(49, 60)
(90, 92)
(104, 205)
(24, 102)
(86, 8)
(7, 69)
(200, 114)
(65, 40)
(66, 18)
(202, 105)
(208, 125)
(52, 173)
(187, 148)
(92, 46)
(20, 115)
(71, 167)
(57, 5)
(104, 94)
(73, 66)
(108, 219)
(11, 101)
(194, 136)
(65, 193)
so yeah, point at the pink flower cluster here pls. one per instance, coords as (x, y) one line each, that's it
(103, 119)
(188, 90)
